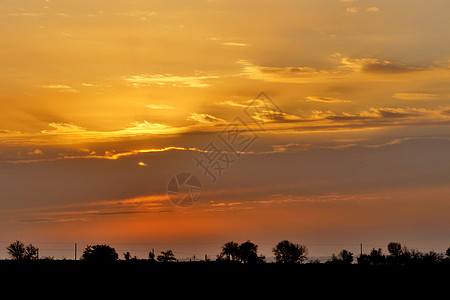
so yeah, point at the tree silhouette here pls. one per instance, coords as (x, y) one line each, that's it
(151, 256)
(432, 258)
(99, 253)
(395, 249)
(31, 252)
(344, 257)
(399, 255)
(375, 258)
(166, 256)
(411, 256)
(447, 253)
(287, 252)
(127, 256)
(230, 251)
(18, 251)
(248, 253)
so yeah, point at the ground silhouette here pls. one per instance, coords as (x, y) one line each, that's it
(242, 273)
(285, 252)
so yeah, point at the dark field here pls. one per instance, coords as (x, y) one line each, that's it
(194, 277)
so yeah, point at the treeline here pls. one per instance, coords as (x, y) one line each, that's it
(247, 253)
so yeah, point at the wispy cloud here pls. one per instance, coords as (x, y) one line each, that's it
(414, 96)
(26, 14)
(326, 99)
(344, 144)
(142, 15)
(81, 212)
(205, 118)
(372, 9)
(60, 88)
(274, 116)
(159, 106)
(235, 44)
(245, 103)
(88, 84)
(353, 9)
(61, 133)
(63, 128)
(135, 128)
(346, 68)
(169, 79)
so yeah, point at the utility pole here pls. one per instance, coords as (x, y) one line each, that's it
(75, 251)
(361, 249)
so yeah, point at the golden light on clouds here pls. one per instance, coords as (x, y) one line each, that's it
(103, 102)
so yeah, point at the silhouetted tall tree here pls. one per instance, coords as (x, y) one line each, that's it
(395, 249)
(248, 253)
(397, 254)
(230, 251)
(287, 252)
(166, 256)
(99, 253)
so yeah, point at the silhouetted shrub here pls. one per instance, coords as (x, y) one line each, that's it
(344, 257)
(18, 251)
(432, 258)
(127, 256)
(166, 256)
(151, 256)
(99, 253)
(375, 258)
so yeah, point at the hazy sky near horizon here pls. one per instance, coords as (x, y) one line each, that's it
(102, 102)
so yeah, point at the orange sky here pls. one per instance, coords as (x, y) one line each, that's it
(104, 101)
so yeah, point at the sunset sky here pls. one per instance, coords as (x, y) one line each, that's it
(345, 105)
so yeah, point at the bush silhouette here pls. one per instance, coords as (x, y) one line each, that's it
(99, 253)
(18, 251)
(375, 258)
(166, 256)
(344, 257)
(151, 256)
(127, 256)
